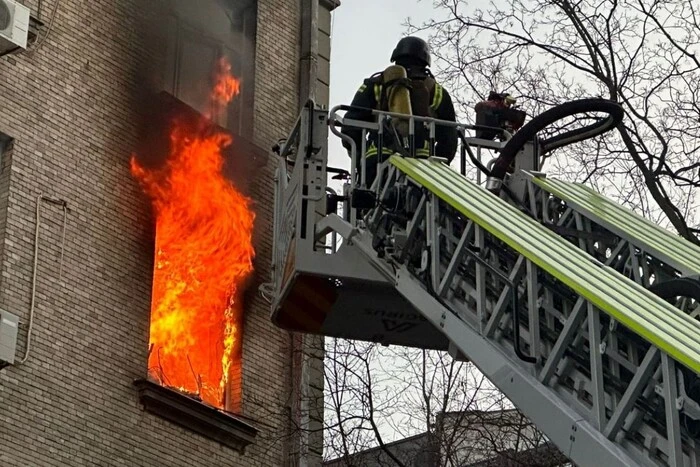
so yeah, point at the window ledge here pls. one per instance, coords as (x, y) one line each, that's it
(195, 416)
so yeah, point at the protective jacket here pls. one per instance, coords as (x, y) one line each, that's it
(428, 99)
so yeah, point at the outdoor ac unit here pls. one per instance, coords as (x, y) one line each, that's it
(14, 25)
(9, 325)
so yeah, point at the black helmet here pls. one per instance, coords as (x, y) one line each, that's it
(413, 50)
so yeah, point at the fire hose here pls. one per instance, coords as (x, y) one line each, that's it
(670, 290)
(529, 131)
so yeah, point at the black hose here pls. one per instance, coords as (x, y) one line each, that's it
(514, 304)
(516, 327)
(479, 165)
(680, 287)
(529, 131)
(688, 287)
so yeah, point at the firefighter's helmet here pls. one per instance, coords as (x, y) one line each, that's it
(412, 50)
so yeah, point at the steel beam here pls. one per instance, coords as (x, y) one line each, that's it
(456, 259)
(577, 438)
(673, 424)
(571, 327)
(639, 382)
(598, 387)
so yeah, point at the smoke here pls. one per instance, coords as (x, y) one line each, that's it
(182, 40)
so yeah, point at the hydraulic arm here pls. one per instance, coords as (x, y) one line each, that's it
(560, 302)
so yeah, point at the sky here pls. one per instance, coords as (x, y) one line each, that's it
(363, 36)
(364, 33)
(355, 53)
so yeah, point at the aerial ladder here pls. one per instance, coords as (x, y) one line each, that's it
(583, 313)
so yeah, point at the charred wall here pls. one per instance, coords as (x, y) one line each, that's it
(75, 108)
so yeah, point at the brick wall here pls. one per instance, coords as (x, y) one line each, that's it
(71, 109)
(266, 386)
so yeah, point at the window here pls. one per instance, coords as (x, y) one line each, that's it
(207, 369)
(200, 33)
(6, 145)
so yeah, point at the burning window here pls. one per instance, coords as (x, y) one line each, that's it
(203, 257)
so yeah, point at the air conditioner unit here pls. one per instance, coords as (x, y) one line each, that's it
(14, 25)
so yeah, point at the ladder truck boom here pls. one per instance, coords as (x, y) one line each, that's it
(581, 312)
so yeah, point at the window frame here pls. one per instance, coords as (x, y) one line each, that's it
(228, 426)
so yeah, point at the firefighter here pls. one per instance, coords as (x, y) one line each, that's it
(408, 87)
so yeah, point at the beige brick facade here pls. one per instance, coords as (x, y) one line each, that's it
(72, 110)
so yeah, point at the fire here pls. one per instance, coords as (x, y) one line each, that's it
(227, 87)
(204, 254)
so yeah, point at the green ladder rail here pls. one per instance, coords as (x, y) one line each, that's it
(602, 215)
(571, 303)
(638, 309)
(653, 257)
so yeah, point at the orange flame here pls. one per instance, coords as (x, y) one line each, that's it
(227, 87)
(204, 254)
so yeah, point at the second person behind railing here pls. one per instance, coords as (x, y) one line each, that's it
(385, 91)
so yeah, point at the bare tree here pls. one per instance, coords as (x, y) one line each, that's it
(360, 399)
(639, 53)
(403, 407)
